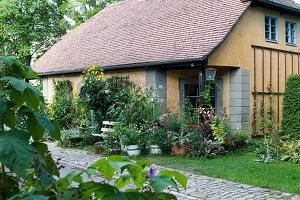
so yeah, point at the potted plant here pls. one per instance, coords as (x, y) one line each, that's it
(157, 140)
(130, 138)
(180, 142)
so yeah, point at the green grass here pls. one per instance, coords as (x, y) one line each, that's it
(238, 167)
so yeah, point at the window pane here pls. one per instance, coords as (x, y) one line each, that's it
(267, 27)
(267, 35)
(287, 38)
(272, 21)
(273, 36)
(267, 20)
(272, 28)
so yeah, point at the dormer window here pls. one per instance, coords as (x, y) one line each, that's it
(290, 33)
(271, 28)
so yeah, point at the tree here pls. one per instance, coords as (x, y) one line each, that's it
(81, 10)
(30, 27)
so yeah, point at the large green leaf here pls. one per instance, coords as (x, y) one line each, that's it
(23, 92)
(36, 124)
(2, 106)
(15, 151)
(56, 133)
(108, 192)
(36, 197)
(10, 117)
(70, 194)
(123, 180)
(104, 168)
(180, 178)
(161, 182)
(47, 161)
(17, 69)
(11, 186)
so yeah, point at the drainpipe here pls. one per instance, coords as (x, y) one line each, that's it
(201, 75)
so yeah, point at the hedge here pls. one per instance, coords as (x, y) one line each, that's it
(291, 108)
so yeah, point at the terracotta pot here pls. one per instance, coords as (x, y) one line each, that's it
(180, 150)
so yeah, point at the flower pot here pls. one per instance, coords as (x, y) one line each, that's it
(99, 148)
(133, 150)
(180, 150)
(155, 149)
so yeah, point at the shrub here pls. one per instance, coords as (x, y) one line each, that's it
(291, 108)
(63, 108)
(291, 151)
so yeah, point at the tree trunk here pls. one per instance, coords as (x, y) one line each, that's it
(28, 59)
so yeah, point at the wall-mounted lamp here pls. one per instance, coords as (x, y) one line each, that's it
(210, 74)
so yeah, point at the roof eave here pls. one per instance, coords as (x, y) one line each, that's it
(127, 66)
(284, 7)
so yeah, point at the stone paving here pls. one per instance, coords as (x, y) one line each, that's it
(198, 187)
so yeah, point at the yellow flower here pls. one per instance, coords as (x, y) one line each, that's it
(101, 69)
(94, 66)
(90, 57)
(102, 73)
(96, 72)
(92, 72)
(98, 64)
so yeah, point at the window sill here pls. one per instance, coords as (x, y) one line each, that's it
(273, 41)
(293, 45)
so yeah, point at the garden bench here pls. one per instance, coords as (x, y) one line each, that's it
(107, 126)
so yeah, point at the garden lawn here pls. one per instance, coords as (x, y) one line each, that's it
(238, 167)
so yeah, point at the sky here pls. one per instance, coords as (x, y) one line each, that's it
(297, 1)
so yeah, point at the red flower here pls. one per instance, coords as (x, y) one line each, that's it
(217, 131)
(194, 126)
(199, 127)
(225, 139)
(188, 126)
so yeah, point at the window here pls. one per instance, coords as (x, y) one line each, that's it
(271, 28)
(290, 33)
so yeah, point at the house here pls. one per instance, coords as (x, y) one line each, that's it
(170, 44)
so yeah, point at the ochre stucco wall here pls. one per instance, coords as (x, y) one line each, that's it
(173, 93)
(236, 51)
(135, 75)
(172, 79)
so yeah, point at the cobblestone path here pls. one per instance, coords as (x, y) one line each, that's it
(198, 187)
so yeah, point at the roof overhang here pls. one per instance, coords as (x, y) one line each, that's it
(172, 64)
(277, 6)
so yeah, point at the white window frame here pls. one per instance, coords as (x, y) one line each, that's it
(269, 30)
(295, 29)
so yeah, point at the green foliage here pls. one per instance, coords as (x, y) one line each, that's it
(130, 135)
(33, 168)
(146, 186)
(290, 151)
(291, 109)
(81, 10)
(30, 27)
(16, 153)
(63, 108)
(138, 107)
(206, 94)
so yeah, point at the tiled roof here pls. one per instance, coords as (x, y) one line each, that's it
(143, 31)
(289, 3)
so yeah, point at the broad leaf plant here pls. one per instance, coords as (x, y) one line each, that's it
(28, 170)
